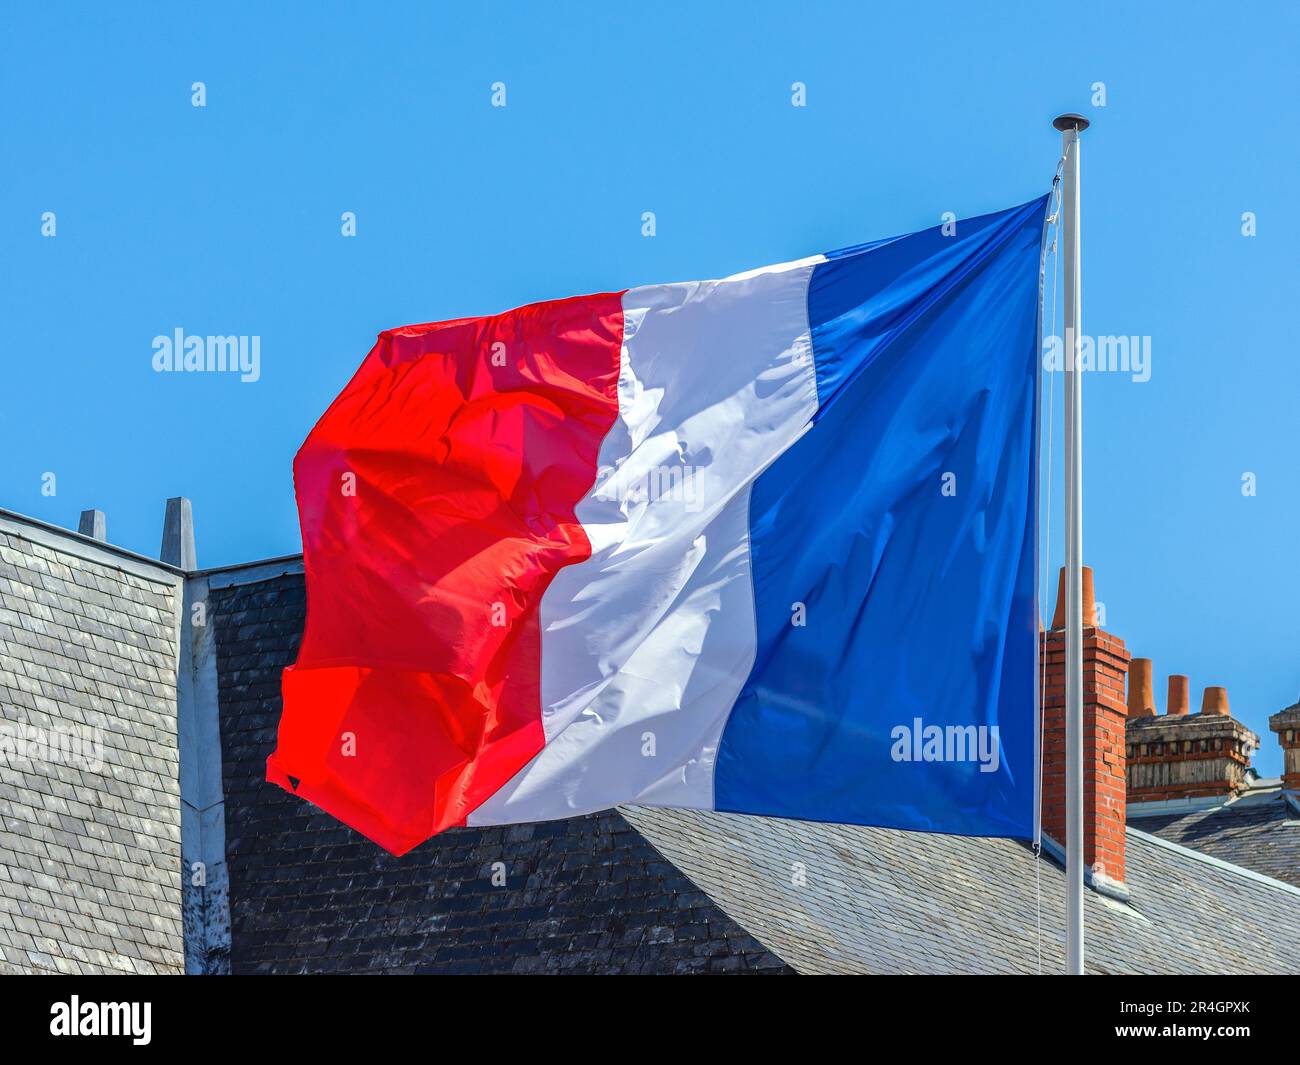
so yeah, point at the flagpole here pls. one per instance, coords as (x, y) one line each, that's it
(1071, 126)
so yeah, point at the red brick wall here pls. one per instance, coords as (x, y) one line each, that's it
(1105, 666)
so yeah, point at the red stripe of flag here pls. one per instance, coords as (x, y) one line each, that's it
(415, 694)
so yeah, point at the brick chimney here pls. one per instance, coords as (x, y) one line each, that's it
(1181, 755)
(1105, 664)
(1286, 723)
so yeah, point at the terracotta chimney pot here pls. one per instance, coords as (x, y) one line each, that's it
(1089, 601)
(1181, 756)
(1179, 687)
(1215, 701)
(1141, 701)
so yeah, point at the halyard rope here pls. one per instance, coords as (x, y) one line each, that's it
(1053, 220)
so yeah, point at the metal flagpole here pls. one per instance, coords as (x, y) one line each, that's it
(1071, 126)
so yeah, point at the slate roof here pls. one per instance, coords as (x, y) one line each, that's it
(90, 867)
(873, 900)
(1259, 831)
(89, 861)
(307, 894)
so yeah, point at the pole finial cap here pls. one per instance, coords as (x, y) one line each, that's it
(1070, 121)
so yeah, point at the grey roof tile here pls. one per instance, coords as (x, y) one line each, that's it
(1259, 831)
(880, 900)
(89, 860)
(872, 899)
(72, 656)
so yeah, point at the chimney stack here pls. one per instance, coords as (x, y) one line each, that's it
(1105, 664)
(1286, 723)
(178, 535)
(93, 524)
(1178, 702)
(1141, 700)
(1188, 756)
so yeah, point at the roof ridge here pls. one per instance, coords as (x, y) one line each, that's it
(1219, 863)
(87, 548)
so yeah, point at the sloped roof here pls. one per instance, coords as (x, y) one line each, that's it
(871, 900)
(90, 834)
(883, 901)
(641, 890)
(1259, 831)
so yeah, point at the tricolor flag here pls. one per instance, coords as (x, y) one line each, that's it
(763, 545)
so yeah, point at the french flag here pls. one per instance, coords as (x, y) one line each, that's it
(762, 545)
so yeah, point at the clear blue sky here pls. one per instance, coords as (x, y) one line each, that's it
(226, 220)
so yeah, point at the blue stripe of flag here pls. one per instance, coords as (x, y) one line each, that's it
(917, 605)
